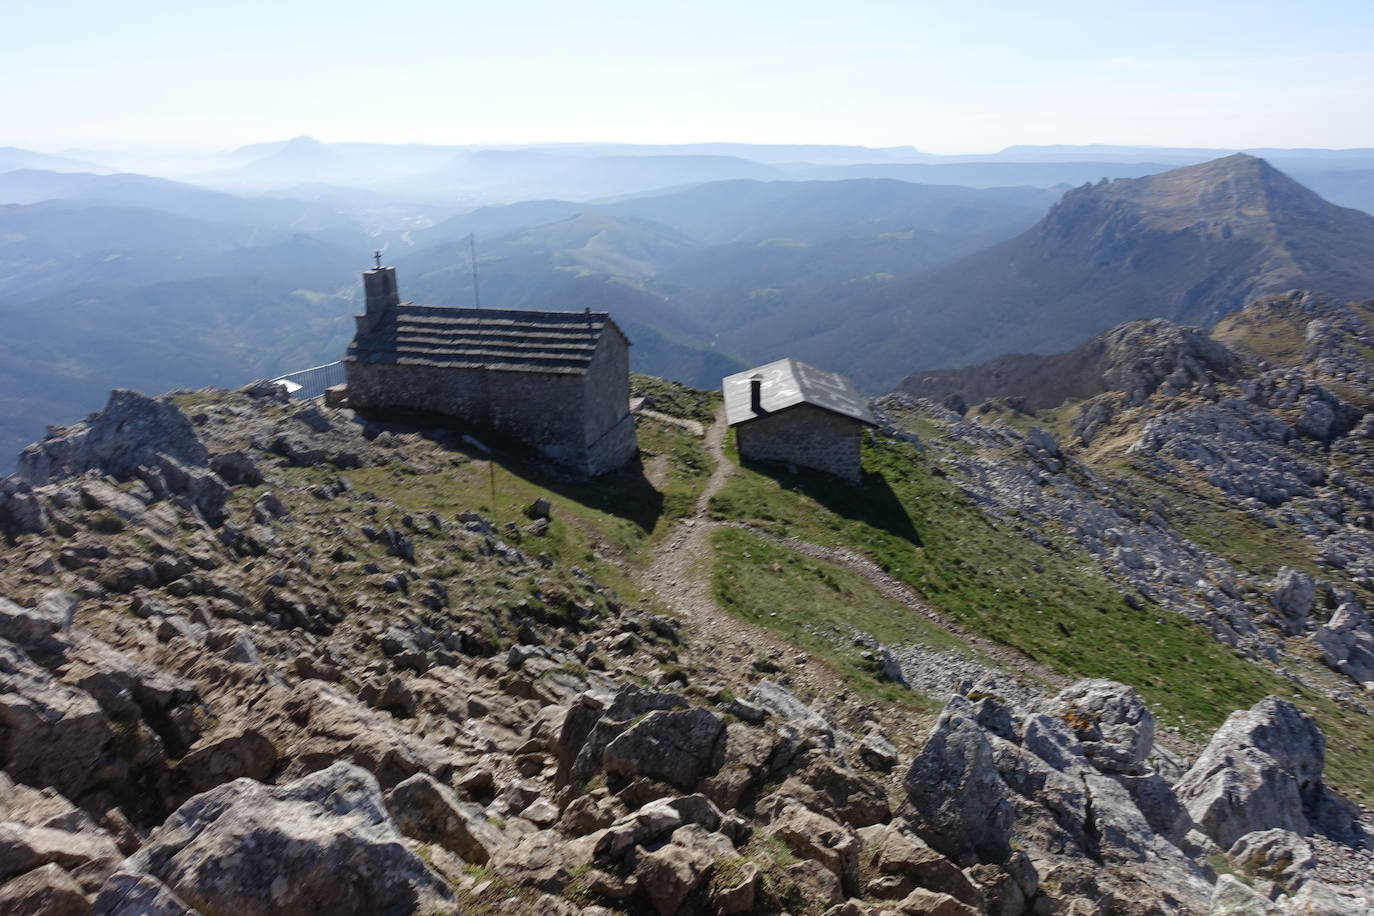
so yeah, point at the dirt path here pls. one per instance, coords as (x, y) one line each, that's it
(680, 575)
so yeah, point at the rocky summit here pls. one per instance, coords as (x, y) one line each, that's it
(258, 656)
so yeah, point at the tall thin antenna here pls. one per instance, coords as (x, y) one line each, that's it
(472, 251)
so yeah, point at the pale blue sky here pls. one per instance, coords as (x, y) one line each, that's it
(946, 77)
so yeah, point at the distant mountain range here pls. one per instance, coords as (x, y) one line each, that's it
(126, 279)
(1189, 245)
(28, 186)
(12, 158)
(137, 281)
(473, 175)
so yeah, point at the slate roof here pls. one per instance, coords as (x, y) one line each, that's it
(787, 383)
(469, 338)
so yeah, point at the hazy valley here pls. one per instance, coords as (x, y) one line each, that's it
(1091, 634)
(876, 262)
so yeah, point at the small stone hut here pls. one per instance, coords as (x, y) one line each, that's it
(792, 413)
(558, 381)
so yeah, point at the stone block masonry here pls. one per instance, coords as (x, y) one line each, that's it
(557, 381)
(807, 437)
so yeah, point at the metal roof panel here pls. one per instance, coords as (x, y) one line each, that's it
(789, 382)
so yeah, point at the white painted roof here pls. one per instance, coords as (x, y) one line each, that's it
(787, 383)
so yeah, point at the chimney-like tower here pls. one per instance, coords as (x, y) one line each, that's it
(379, 288)
(756, 393)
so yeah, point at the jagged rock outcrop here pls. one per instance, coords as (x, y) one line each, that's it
(426, 810)
(1262, 770)
(1136, 359)
(133, 431)
(958, 801)
(333, 702)
(1347, 642)
(135, 436)
(321, 844)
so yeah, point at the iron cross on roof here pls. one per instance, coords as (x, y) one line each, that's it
(377, 256)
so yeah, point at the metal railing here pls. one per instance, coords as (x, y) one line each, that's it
(311, 383)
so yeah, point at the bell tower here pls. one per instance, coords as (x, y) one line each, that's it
(379, 289)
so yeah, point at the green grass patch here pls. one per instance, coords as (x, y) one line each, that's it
(1047, 601)
(677, 464)
(675, 399)
(812, 604)
(1278, 336)
(1247, 542)
(608, 525)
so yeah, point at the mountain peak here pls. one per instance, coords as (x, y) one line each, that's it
(1242, 192)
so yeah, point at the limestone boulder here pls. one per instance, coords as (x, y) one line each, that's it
(88, 857)
(815, 883)
(46, 891)
(738, 893)
(427, 811)
(902, 862)
(546, 860)
(1293, 596)
(237, 468)
(1114, 728)
(826, 785)
(922, 902)
(672, 875)
(748, 757)
(128, 894)
(1231, 897)
(51, 734)
(1262, 769)
(227, 754)
(816, 837)
(653, 821)
(1347, 642)
(956, 799)
(590, 725)
(1280, 856)
(790, 712)
(30, 627)
(21, 511)
(679, 747)
(1159, 804)
(322, 844)
(44, 807)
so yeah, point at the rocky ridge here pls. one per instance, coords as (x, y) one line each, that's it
(235, 683)
(1280, 447)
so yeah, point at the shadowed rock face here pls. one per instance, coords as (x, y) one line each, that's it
(321, 844)
(1137, 358)
(133, 430)
(957, 797)
(1261, 770)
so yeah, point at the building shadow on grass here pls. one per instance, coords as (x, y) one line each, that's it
(625, 493)
(871, 501)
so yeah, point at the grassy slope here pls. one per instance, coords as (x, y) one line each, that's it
(1049, 602)
(608, 525)
(917, 524)
(813, 604)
